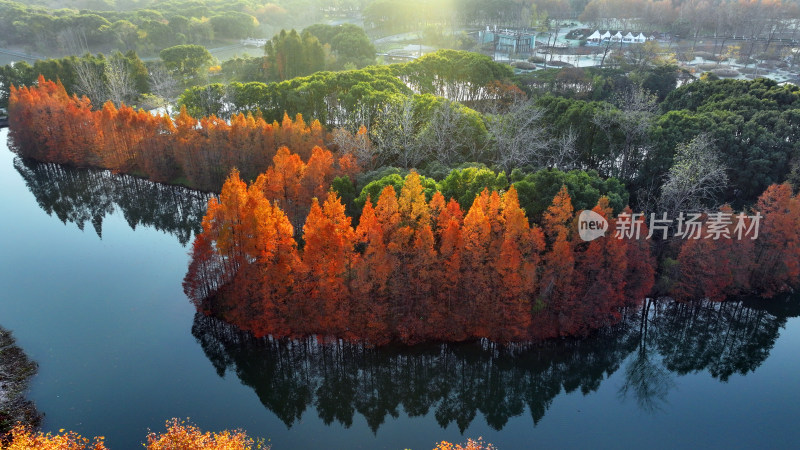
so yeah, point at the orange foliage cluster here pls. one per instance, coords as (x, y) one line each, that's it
(471, 444)
(180, 436)
(49, 125)
(23, 438)
(730, 266)
(412, 270)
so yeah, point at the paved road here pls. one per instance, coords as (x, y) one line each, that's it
(19, 55)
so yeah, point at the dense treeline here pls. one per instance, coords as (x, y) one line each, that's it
(148, 28)
(333, 97)
(153, 26)
(602, 83)
(750, 127)
(754, 124)
(125, 78)
(627, 126)
(758, 22)
(290, 54)
(48, 125)
(412, 270)
(77, 74)
(396, 16)
(535, 190)
(415, 269)
(239, 144)
(725, 267)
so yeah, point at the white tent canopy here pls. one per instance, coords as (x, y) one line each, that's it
(595, 36)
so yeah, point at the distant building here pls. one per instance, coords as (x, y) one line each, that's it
(616, 36)
(508, 41)
(253, 42)
(628, 38)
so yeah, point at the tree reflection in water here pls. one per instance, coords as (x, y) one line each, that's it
(84, 195)
(455, 381)
(723, 338)
(458, 381)
(646, 379)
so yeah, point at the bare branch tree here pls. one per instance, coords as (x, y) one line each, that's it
(90, 80)
(395, 135)
(357, 144)
(162, 83)
(633, 118)
(519, 137)
(450, 137)
(120, 82)
(695, 179)
(565, 152)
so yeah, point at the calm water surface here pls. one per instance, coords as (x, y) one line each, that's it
(91, 266)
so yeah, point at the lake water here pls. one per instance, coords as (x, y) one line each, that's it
(91, 266)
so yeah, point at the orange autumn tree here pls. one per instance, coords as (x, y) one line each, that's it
(444, 312)
(275, 265)
(640, 266)
(476, 275)
(715, 265)
(179, 435)
(556, 288)
(412, 245)
(250, 245)
(471, 444)
(372, 269)
(49, 125)
(600, 271)
(327, 257)
(293, 184)
(282, 183)
(757, 252)
(777, 249)
(515, 266)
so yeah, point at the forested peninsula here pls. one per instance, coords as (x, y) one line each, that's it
(398, 213)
